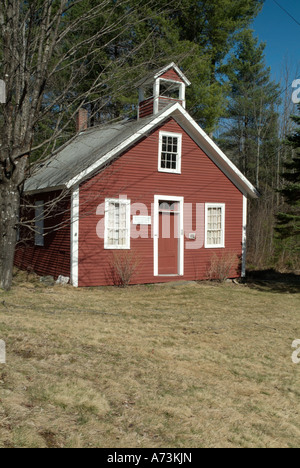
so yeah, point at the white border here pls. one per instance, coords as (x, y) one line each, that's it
(74, 236)
(157, 199)
(244, 236)
(120, 201)
(215, 205)
(178, 160)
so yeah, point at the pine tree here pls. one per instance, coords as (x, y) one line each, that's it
(250, 138)
(251, 109)
(289, 221)
(213, 26)
(196, 34)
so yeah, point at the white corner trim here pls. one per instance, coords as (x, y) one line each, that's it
(156, 87)
(157, 199)
(215, 205)
(74, 236)
(244, 236)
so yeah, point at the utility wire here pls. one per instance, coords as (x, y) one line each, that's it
(289, 14)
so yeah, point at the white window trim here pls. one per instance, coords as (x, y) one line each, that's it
(75, 237)
(157, 199)
(39, 225)
(207, 207)
(126, 202)
(178, 161)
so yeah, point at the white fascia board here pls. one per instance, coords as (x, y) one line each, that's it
(173, 65)
(122, 146)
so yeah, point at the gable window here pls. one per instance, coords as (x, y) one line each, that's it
(117, 224)
(170, 152)
(39, 239)
(214, 225)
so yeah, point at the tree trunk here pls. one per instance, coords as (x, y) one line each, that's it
(9, 217)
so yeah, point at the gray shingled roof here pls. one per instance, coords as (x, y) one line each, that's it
(84, 150)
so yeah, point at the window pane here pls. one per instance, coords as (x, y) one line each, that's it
(117, 229)
(164, 143)
(214, 226)
(169, 154)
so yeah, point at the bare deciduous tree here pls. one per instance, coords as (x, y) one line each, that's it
(47, 50)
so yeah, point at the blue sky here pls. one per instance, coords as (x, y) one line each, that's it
(281, 34)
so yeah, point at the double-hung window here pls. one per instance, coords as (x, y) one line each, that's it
(117, 224)
(214, 225)
(39, 239)
(170, 152)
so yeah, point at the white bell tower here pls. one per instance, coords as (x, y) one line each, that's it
(164, 87)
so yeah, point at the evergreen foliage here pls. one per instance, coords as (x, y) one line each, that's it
(251, 117)
(289, 221)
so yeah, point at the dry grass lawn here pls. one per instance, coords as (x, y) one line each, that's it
(187, 365)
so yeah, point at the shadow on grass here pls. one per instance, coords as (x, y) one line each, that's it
(273, 281)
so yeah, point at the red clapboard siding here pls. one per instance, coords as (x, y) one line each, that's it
(54, 258)
(135, 174)
(164, 101)
(146, 108)
(171, 75)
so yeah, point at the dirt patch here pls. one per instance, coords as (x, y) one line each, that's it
(50, 439)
